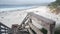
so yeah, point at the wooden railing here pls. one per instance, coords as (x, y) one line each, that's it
(47, 24)
(4, 29)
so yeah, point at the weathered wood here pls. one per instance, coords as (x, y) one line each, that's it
(30, 31)
(0, 28)
(5, 28)
(46, 23)
(35, 29)
(40, 18)
(14, 28)
(3, 25)
(23, 22)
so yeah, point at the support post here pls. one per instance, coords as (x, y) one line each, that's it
(51, 30)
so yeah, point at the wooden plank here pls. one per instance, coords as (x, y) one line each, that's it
(3, 25)
(5, 28)
(4, 32)
(30, 31)
(35, 28)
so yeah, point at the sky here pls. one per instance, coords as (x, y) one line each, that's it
(17, 2)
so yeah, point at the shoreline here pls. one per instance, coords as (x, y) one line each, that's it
(6, 10)
(16, 8)
(18, 15)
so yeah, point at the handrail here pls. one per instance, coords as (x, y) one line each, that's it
(5, 29)
(47, 24)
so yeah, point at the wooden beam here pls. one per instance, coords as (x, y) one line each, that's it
(4, 25)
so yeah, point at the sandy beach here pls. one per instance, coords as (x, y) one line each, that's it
(17, 16)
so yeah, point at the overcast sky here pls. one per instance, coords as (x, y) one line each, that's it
(25, 1)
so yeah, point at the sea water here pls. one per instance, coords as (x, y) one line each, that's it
(13, 7)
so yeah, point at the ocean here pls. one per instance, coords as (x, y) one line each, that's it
(13, 7)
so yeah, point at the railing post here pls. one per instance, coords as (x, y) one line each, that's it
(0, 28)
(30, 20)
(51, 30)
(5, 31)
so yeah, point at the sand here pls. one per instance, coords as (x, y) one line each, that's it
(17, 16)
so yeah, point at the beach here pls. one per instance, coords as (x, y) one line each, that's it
(16, 16)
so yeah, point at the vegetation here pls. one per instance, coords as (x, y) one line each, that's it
(57, 32)
(43, 30)
(55, 7)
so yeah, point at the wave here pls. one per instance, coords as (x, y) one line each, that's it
(15, 8)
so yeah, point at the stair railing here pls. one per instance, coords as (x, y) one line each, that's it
(46, 23)
(4, 29)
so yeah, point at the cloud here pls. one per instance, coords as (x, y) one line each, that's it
(24, 1)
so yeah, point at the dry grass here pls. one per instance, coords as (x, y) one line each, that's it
(55, 10)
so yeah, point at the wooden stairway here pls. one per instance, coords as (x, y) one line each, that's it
(47, 24)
